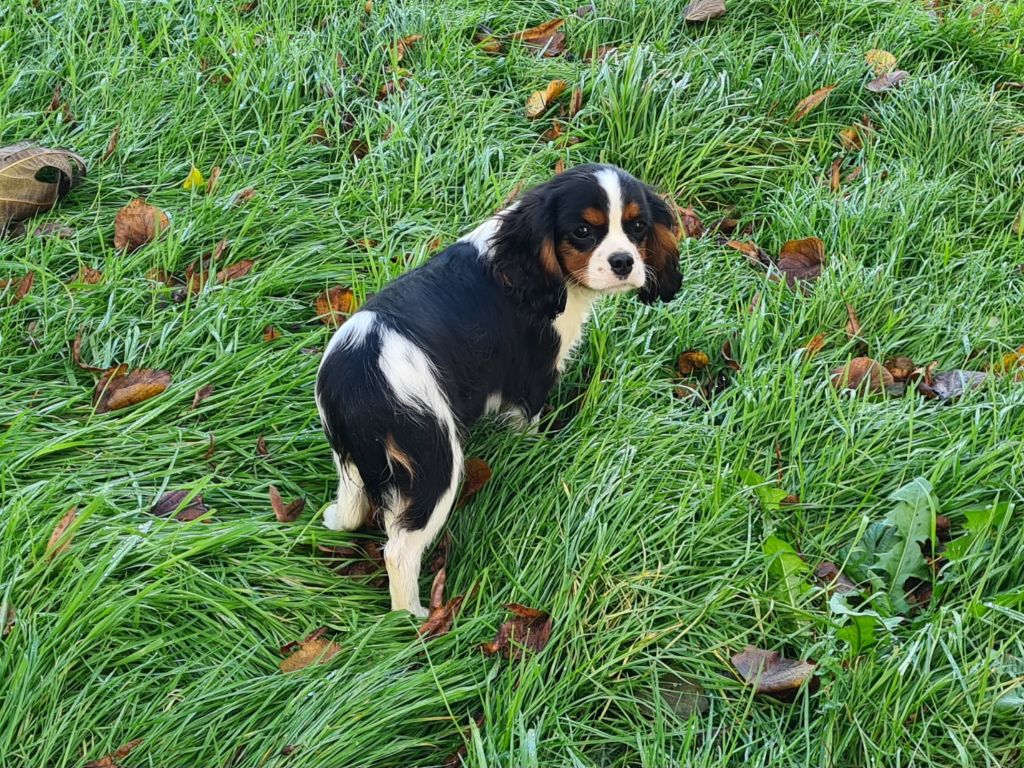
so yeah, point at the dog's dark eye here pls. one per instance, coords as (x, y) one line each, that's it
(637, 226)
(582, 232)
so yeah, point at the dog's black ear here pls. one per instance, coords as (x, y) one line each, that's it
(661, 252)
(524, 258)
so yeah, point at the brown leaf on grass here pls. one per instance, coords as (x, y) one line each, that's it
(530, 630)
(755, 255)
(319, 136)
(89, 276)
(691, 224)
(850, 138)
(117, 388)
(243, 196)
(835, 175)
(730, 361)
(559, 166)
(211, 447)
(270, 333)
(110, 761)
(261, 446)
(801, 260)
(1010, 361)
(455, 759)
(50, 229)
(901, 368)
(546, 39)
(815, 345)
(830, 577)
(804, 107)
(439, 559)
(403, 46)
(201, 394)
(442, 614)
(138, 223)
(887, 81)
(76, 354)
(881, 62)
(575, 103)
(364, 560)
(285, 513)
(553, 132)
(774, 675)
(33, 179)
(691, 361)
(21, 288)
(211, 183)
(600, 53)
(7, 619)
(179, 504)
(314, 649)
(60, 541)
(947, 385)
(391, 86)
(111, 143)
(477, 473)
(853, 324)
(334, 304)
(540, 101)
(703, 10)
(862, 373)
(485, 40)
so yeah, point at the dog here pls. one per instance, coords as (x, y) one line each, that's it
(485, 325)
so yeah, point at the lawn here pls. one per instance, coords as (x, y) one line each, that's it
(649, 525)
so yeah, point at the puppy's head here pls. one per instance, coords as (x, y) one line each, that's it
(594, 226)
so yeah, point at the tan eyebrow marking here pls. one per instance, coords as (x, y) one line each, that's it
(631, 211)
(594, 217)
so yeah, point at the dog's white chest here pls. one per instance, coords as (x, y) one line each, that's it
(569, 324)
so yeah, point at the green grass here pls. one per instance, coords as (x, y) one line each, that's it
(632, 525)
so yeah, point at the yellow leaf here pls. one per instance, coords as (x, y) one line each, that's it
(194, 179)
(810, 102)
(539, 101)
(882, 62)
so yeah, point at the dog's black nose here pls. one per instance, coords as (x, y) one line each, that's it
(621, 263)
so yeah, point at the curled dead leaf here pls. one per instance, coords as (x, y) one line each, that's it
(901, 368)
(772, 674)
(862, 373)
(270, 333)
(887, 81)
(111, 760)
(691, 361)
(201, 394)
(529, 630)
(947, 385)
(182, 504)
(285, 513)
(801, 260)
(89, 276)
(261, 446)
(730, 361)
(834, 175)
(117, 388)
(21, 288)
(850, 138)
(547, 39)
(403, 46)
(334, 304)
(60, 539)
(755, 255)
(111, 143)
(314, 649)
(852, 324)
(540, 101)
(243, 196)
(575, 103)
(804, 107)
(442, 614)
(830, 577)
(703, 10)
(1010, 361)
(50, 229)
(33, 179)
(690, 222)
(211, 183)
(138, 223)
(477, 473)
(485, 40)
(815, 345)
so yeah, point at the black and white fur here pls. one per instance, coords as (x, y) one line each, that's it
(485, 325)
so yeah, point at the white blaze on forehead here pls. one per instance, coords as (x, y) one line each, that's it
(599, 274)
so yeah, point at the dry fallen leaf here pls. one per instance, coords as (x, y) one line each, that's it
(313, 649)
(201, 394)
(834, 176)
(485, 40)
(89, 276)
(7, 619)
(754, 254)
(270, 333)
(529, 630)
(243, 196)
(600, 53)
(194, 180)
(367, 560)
(810, 102)
(801, 260)
(946, 385)
(815, 345)
(171, 503)
(575, 103)
(137, 224)
(691, 224)
(703, 10)
(730, 361)
(830, 577)
(546, 39)
(852, 325)
(285, 513)
(540, 101)
(850, 138)
(887, 81)
(334, 304)
(691, 361)
(33, 179)
(118, 389)
(110, 761)
(60, 542)
(477, 473)
(76, 354)
(261, 446)
(881, 62)
(901, 368)
(1010, 361)
(862, 373)
(772, 674)
(211, 183)
(111, 143)
(553, 132)
(403, 46)
(21, 288)
(442, 614)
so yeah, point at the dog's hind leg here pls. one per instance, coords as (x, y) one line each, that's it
(352, 505)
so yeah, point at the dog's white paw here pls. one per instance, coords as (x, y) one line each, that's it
(333, 519)
(419, 611)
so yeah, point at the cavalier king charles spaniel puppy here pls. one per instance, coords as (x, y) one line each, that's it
(485, 325)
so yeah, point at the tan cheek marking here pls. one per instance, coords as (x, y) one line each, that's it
(549, 260)
(631, 211)
(574, 260)
(659, 247)
(594, 217)
(399, 456)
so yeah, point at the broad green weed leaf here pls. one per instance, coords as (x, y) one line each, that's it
(912, 519)
(788, 568)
